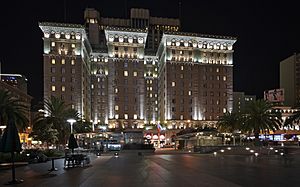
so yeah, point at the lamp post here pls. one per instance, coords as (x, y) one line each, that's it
(71, 121)
(2, 127)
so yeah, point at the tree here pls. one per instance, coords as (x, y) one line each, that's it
(294, 118)
(12, 108)
(229, 122)
(45, 133)
(260, 117)
(83, 127)
(55, 115)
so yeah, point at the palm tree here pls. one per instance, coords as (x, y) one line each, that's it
(55, 114)
(229, 122)
(294, 118)
(12, 108)
(260, 117)
(44, 132)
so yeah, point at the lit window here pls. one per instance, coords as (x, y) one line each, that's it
(67, 35)
(73, 106)
(72, 62)
(125, 73)
(150, 95)
(77, 36)
(116, 90)
(180, 52)
(217, 70)
(98, 79)
(126, 116)
(134, 73)
(92, 86)
(181, 67)
(57, 35)
(117, 116)
(52, 44)
(190, 92)
(63, 88)
(53, 61)
(73, 45)
(155, 69)
(116, 107)
(218, 77)
(53, 88)
(224, 110)
(224, 78)
(63, 61)
(150, 88)
(47, 35)
(181, 117)
(134, 116)
(150, 81)
(156, 102)
(173, 84)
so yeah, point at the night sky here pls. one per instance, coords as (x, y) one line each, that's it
(267, 33)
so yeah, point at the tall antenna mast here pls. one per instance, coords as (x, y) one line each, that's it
(179, 12)
(126, 13)
(65, 10)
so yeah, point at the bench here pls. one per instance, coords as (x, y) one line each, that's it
(74, 160)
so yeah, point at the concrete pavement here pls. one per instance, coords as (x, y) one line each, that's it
(165, 170)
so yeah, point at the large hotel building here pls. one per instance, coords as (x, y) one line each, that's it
(138, 72)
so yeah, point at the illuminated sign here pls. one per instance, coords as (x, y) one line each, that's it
(276, 95)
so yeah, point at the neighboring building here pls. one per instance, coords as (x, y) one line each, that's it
(15, 80)
(241, 101)
(128, 73)
(288, 134)
(290, 80)
(17, 85)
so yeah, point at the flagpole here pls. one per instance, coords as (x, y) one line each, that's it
(158, 133)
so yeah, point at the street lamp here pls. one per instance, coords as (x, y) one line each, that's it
(71, 121)
(2, 127)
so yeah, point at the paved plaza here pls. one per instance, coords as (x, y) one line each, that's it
(176, 169)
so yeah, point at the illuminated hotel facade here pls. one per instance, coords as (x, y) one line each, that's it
(138, 72)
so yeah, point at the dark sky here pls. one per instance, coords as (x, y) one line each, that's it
(267, 33)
